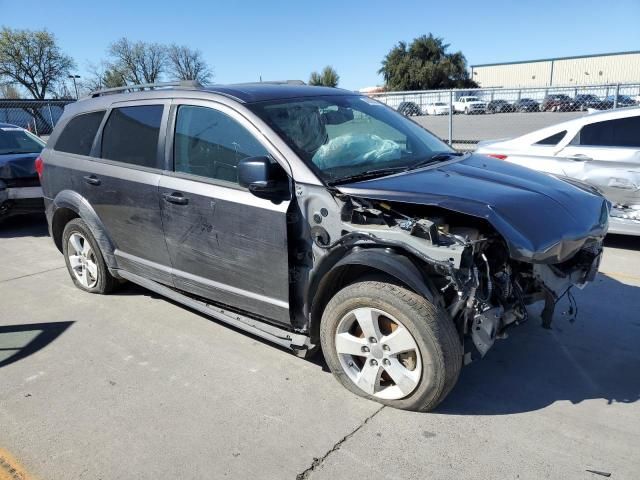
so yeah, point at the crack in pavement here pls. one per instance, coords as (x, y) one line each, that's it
(317, 461)
(30, 275)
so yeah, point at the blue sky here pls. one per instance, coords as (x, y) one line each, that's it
(288, 39)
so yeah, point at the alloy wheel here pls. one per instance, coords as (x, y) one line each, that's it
(378, 353)
(82, 260)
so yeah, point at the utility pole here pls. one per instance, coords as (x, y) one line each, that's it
(75, 85)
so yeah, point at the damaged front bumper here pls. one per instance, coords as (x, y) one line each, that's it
(18, 198)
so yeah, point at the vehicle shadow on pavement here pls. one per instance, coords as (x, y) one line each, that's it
(596, 357)
(20, 341)
(24, 226)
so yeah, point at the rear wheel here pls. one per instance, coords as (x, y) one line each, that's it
(84, 260)
(389, 344)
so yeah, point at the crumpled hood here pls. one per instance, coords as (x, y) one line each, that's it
(542, 218)
(20, 165)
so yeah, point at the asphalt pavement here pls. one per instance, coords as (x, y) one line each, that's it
(131, 385)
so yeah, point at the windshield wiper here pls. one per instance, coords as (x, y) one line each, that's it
(366, 175)
(437, 157)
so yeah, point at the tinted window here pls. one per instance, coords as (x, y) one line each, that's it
(131, 135)
(623, 132)
(77, 137)
(210, 144)
(553, 139)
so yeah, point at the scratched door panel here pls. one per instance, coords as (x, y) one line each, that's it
(228, 246)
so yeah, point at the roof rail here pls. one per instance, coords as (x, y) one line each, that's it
(283, 82)
(185, 84)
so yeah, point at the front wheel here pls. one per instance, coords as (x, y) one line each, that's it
(389, 344)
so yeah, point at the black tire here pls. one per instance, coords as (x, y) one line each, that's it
(105, 281)
(431, 328)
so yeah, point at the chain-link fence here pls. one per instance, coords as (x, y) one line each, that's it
(464, 117)
(37, 116)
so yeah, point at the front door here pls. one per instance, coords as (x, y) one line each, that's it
(225, 244)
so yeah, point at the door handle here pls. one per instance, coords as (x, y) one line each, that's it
(92, 180)
(175, 197)
(578, 157)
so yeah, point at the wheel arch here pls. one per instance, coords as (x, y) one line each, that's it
(358, 263)
(69, 205)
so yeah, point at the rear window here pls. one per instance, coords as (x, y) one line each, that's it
(77, 137)
(131, 135)
(622, 132)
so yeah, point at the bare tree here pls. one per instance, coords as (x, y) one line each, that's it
(138, 62)
(188, 64)
(33, 59)
(102, 75)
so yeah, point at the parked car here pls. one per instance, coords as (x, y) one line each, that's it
(500, 106)
(601, 149)
(557, 103)
(437, 108)
(277, 209)
(409, 109)
(20, 191)
(526, 105)
(623, 101)
(469, 105)
(586, 101)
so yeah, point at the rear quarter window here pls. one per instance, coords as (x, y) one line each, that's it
(131, 135)
(79, 133)
(552, 139)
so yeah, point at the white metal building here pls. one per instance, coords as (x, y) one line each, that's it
(607, 68)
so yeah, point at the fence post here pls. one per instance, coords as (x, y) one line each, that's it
(615, 99)
(50, 114)
(450, 118)
(35, 124)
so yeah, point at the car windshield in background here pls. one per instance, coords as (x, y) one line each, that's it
(15, 140)
(473, 99)
(346, 136)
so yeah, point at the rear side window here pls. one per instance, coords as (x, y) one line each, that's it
(553, 139)
(131, 135)
(210, 144)
(77, 137)
(623, 132)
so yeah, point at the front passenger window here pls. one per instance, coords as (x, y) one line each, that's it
(210, 144)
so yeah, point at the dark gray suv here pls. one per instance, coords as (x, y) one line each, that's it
(312, 217)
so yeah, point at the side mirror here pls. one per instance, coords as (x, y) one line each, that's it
(264, 178)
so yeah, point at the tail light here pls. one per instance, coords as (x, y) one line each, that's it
(497, 155)
(39, 166)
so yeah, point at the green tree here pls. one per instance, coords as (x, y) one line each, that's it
(327, 78)
(33, 60)
(425, 64)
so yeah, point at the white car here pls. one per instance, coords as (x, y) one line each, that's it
(437, 108)
(601, 149)
(469, 105)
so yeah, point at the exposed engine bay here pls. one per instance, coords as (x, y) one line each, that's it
(466, 262)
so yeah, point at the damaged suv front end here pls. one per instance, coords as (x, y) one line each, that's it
(492, 240)
(480, 238)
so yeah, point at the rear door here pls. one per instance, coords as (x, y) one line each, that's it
(225, 244)
(121, 183)
(607, 155)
